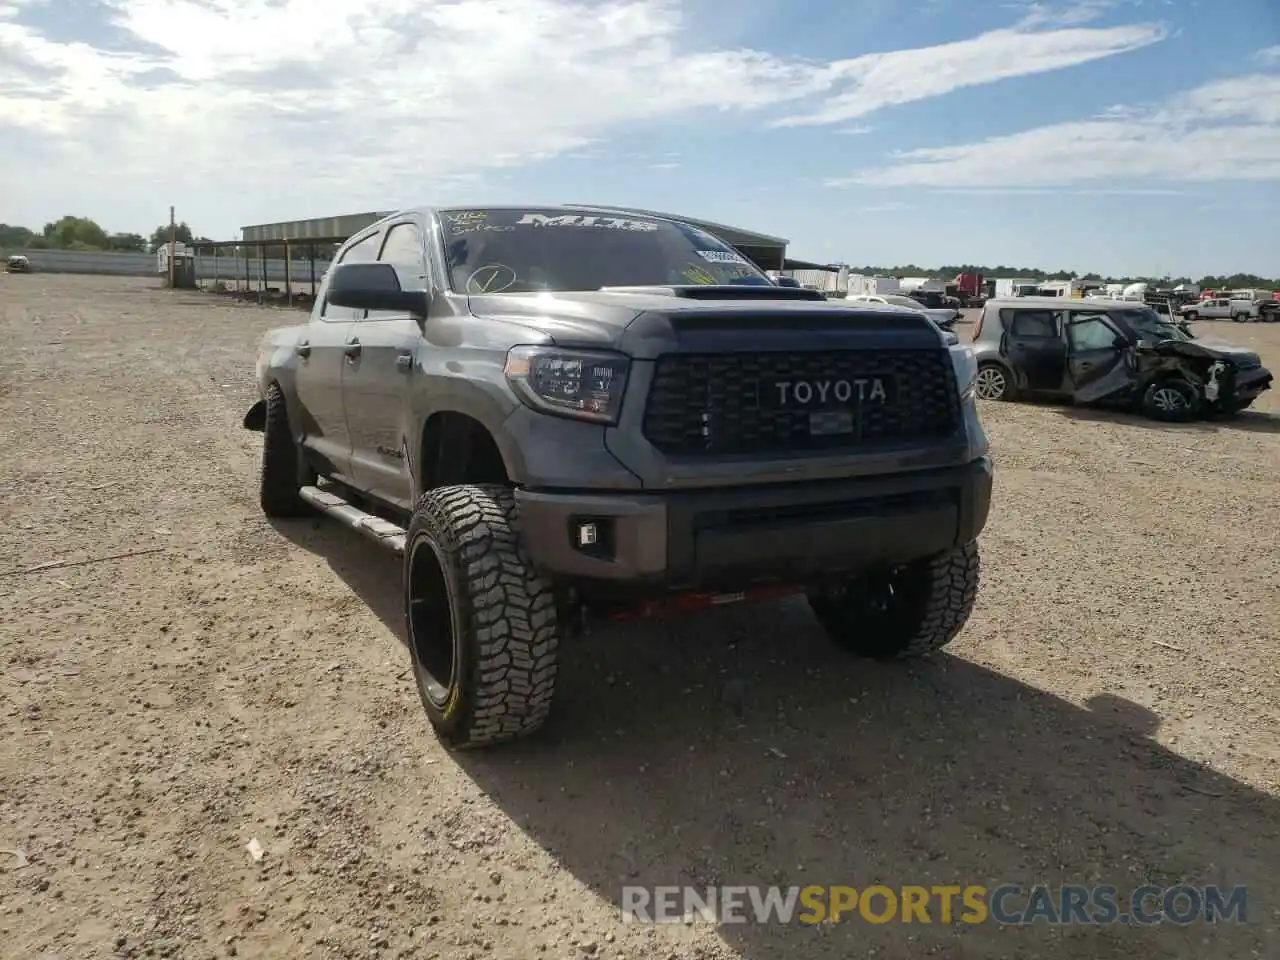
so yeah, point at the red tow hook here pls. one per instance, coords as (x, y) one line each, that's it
(693, 601)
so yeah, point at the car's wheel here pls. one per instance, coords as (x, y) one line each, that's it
(1191, 316)
(482, 624)
(993, 382)
(904, 612)
(1240, 317)
(283, 472)
(1173, 399)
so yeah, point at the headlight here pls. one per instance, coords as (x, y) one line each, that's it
(965, 364)
(582, 384)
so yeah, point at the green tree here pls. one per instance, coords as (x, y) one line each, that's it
(127, 242)
(81, 231)
(13, 237)
(160, 236)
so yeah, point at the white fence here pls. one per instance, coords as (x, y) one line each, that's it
(225, 266)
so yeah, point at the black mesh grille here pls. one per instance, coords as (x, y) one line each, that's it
(712, 403)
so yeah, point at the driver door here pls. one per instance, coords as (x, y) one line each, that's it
(378, 380)
(318, 378)
(1098, 357)
(1033, 343)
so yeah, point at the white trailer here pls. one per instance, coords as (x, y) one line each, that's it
(1016, 287)
(862, 285)
(180, 252)
(922, 285)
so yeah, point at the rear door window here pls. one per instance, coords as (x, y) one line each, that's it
(364, 251)
(1039, 324)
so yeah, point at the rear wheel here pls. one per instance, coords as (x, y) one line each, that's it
(482, 624)
(1241, 317)
(993, 382)
(1174, 400)
(903, 612)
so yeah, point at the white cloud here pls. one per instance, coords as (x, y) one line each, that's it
(857, 130)
(299, 107)
(1269, 54)
(1225, 130)
(904, 76)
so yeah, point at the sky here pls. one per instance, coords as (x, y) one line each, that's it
(1126, 137)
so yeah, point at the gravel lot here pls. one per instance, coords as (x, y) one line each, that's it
(1109, 716)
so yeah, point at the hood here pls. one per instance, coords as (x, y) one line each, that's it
(569, 319)
(1215, 349)
(599, 318)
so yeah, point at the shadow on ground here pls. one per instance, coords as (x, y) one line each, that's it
(741, 748)
(1249, 421)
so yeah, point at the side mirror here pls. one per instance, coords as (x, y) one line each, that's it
(374, 286)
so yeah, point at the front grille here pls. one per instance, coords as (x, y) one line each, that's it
(711, 403)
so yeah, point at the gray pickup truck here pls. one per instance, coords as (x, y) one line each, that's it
(557, 415)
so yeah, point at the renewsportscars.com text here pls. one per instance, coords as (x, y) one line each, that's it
(972, 904)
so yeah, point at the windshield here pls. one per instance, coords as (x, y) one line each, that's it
(529, 250)
(1149, 324)
(903, 302)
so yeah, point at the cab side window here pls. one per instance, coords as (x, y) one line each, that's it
(362, 252)
(1034, 323)
(1092, 333)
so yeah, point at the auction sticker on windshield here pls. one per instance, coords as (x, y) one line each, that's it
(721, 256)
(575, 220)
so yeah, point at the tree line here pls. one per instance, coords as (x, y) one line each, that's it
(82, 233)
(1235, 281)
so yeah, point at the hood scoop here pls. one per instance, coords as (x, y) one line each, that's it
(724, 291)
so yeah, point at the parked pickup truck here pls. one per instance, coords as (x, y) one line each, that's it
(560, 414)
(1224, 308)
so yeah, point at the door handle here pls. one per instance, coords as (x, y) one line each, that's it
(352, 349)
(303, 350)
(404, 361)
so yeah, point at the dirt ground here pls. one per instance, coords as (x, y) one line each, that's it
(1111, 715)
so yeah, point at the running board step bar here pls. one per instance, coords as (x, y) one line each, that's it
(375, 528)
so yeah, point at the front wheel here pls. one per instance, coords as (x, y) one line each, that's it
(903, 612)
(283, 471)
(481, 622)
(1191, 316)
(1172, 400)
(993, 382)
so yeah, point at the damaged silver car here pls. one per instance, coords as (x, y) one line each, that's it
(1114, 353)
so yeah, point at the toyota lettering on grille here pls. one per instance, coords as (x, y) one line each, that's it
(844, 393)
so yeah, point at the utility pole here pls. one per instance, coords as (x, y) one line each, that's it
(173, 237)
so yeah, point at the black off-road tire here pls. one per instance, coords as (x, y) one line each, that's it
(482, 624)
(1157, 409)
(282, 471)
(930, 603)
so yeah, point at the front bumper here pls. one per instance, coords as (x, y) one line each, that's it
(795, 532)
(1252, 383)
